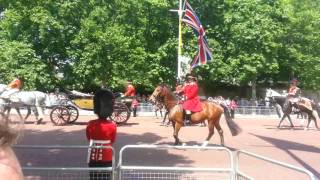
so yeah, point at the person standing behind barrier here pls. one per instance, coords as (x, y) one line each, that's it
(102, 129)
(233, 105)
(134, 106)
(9, 165)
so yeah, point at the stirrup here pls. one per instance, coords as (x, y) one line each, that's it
(186, 122)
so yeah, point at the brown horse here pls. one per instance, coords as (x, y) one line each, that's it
(211, 112)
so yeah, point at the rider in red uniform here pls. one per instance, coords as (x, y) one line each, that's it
(102, 129)
(293, 92)
(192, 101)
(130, 90)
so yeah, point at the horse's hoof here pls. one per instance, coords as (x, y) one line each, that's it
(38, 122)
(205, 143)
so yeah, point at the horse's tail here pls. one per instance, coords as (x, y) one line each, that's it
(234, 128)
(315, 115)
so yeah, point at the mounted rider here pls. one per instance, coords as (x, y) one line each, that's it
(191, 101)
(294, 96)
(294, 91)
(13, 87)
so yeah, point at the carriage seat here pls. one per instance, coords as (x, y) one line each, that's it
(94, 143)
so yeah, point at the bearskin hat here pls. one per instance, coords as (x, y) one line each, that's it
(103, 102)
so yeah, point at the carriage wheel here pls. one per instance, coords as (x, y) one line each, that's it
(74, 113)
(121, 113)
(60, 115)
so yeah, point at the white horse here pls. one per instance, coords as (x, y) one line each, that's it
(35, 100)
(276, 99)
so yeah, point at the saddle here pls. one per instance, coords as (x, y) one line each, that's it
(306, 103)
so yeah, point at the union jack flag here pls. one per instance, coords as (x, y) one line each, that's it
(204, 53)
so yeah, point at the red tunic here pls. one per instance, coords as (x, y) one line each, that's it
(293, 91)
(102, 130)
(192, 101)
(130, 91)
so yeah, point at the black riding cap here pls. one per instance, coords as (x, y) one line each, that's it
(190, 76)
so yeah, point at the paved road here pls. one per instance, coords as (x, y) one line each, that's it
(260, 135)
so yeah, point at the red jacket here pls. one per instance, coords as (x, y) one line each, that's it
(293, 91)
(101, 130)
(130, 91)
(192, 101)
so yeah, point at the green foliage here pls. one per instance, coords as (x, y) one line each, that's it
(108, 42)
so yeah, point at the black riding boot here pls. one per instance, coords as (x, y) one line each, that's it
(187, 120)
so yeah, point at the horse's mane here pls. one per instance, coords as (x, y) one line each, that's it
(168, 88)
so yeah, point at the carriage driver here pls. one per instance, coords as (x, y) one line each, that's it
(192, 101)
(13, 87)
(130, 90)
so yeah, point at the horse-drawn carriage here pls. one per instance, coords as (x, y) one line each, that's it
(66, 108)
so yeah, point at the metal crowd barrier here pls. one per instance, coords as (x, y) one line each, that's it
(240, 110)
(130, 166)
(242, 176)
(61, 171)
(142, 172)
(257, 110)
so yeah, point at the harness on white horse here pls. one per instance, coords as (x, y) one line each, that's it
(10, 94)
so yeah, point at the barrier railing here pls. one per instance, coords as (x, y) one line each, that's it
(130, 166)
(142, 172)
(242, 176)
(60, 171)
(240, 110)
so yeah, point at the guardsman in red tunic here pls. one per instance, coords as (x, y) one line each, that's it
(130, 90)
(191, 101)
(101, 129)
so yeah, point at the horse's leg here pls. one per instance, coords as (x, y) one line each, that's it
(28, 113)
(211, 132)
(177, 127)
(165, 116)
(283, 116)
(291, 124)
(41, 114)
(20, 116)
(309, 121)
(220, 131)
(8, 109)
(316, 117)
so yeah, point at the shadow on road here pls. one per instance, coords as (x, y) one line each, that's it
(289, 146)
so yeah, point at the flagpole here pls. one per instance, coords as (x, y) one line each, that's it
(180, 40)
